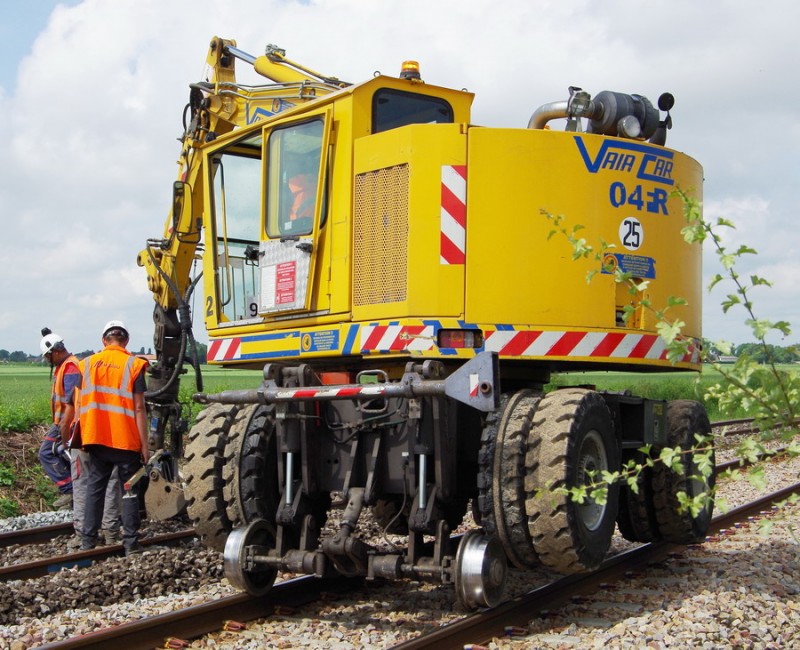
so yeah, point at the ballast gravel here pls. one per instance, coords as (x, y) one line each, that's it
(740, 589)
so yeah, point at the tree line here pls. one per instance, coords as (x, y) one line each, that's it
(757, 352)
(17, 356)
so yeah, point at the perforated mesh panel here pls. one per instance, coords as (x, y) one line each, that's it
(380, 250)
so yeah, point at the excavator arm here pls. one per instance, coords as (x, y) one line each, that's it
(217, 105)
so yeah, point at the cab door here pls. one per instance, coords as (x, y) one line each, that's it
(295, 154)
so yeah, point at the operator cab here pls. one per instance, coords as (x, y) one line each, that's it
(270, 187)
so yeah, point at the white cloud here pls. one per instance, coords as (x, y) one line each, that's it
(91, 127)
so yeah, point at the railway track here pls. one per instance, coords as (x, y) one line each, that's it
(473, 629)
(481, 627)
(38, 568)
(234, 611)
(217, 615)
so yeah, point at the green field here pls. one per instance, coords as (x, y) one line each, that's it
(25, 402)
(25, 389)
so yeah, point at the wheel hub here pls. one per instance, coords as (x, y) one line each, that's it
(480, 571)
(593, 460)
(240, 571)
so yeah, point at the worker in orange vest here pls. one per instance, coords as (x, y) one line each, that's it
(113, 422)
(53, 456)
(303, 188)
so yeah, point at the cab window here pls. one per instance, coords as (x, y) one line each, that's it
(236, 192)
(395, 108)
(293, 172)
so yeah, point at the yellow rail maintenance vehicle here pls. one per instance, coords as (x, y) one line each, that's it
(388, 265)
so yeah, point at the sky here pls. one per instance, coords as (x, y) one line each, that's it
(92, 93)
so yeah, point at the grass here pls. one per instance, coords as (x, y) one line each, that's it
(25, 389)
(667, 386)
(681, 385)
(25, 413)
(25, 407)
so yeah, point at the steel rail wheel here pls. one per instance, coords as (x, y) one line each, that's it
(240, 568)
(576, 443)
(480, 571)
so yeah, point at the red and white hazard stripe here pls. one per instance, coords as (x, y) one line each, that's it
(225, 349)
(453, 236)
(330, 392)
(387, 338)
(611, 345)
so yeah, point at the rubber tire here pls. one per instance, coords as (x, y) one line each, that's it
(564, 421)
(684, 419)
(251, 486)
(636, 518)
(259, 490)
(503, 469)
(203, 471)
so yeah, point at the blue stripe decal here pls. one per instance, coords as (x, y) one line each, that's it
(270, 337)
(351, 339)
(268, 355)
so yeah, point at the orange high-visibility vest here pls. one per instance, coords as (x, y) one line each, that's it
(107, 414)
(303, 190)
(58, 400)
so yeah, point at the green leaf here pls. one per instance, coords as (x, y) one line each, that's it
(714, 281)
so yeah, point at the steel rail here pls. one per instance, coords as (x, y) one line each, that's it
(36, 535)
(39, 568)
(196, 621)
(483, 626)
(210, 617)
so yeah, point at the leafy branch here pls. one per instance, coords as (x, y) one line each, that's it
(769, 393)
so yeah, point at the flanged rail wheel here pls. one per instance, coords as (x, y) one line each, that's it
(480, 571)
(576, 442)
(203, 470)
(685, 418)
(503, 465)
(255, 579)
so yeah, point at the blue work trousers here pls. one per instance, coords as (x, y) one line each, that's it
(104, 460)
(55, 466)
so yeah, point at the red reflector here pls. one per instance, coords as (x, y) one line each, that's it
(460, 339)
(335, 378)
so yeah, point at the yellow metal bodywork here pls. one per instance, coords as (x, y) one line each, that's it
(516, 174)
(378, 283)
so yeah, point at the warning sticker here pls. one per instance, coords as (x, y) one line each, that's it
(285, 282)
(323, 341)
(639, 266)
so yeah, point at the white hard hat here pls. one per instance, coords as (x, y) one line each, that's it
(115, 325)
(49, 342)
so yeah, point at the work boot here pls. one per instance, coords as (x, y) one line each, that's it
(112, 537)
(133, 550)
(74, 542)
(64, 502)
